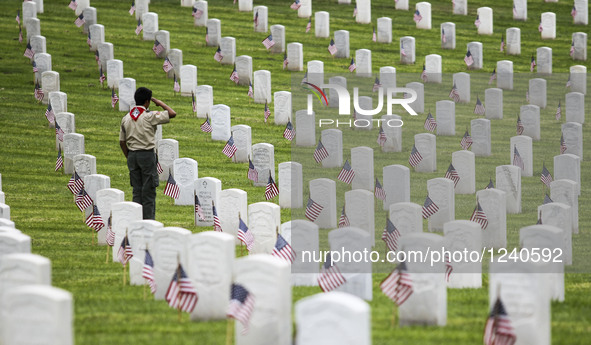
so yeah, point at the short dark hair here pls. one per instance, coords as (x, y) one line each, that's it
(142, 95)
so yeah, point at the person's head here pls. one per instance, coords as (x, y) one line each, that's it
(142, 96)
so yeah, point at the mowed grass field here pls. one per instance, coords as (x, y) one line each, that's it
(107, 312)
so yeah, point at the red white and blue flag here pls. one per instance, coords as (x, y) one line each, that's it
(181, 293)
(283, 250)
(330, 277)
(398, 285)
(148, 271)
(241, 305)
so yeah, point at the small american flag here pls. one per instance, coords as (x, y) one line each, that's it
(217, 224)
(132, 8)
(430, 123)
(490, 184)
(443, 38)
(502, 43)
(20, 35)
(39, 93)
(381, 137)
(181, 293)
(268, 42)
(296, 5)
(197, 13)
(176, 87)
(320, 153)
(289, 132)
(49, 115)
(514, 11)
(18, 17)
(519, 126)
(73, 5)
(102, 77)
(256, 19)
(241, 305)
(271, 190)
(398, 284)
(424, 74)
(347, 173)
(352, 65)
(148, 271)
(83, 200)
(207, 35)
(305, 78)
(477, 21)
(479, 216)
(558, 112)
(97, 57)
(573, 12)
(454, 93)
(452, 174)
(59, 132)
(355, 11)
(415, 157)
(157, 48)
(76, 184)
(532, 64)
(267, 112)
(206, 126)
(517, 161)
(114, 98)
(313, 209)
(139, 27)
(562, 144)
(545, 177)
(59, 163)
(309, 25)
(343, 220)
(498, 329)
(283, 250)
(80, 20)
(330, 277)
(230, 149)
(159, 169)
(94, 219)
(402, 51)
(373, 36)
(379, 192)
(493, 76)
(332, 48)
(29, 51)
(429, 208)
(466, 141)
(172, 189)
(89, 40)
(167, 65)
(199, 209)
(572, 48)
(376, 85)
(234, 76)
(479, 108)
(252, 174)
(110, 234)
(250, 91)
(244, 234)
(540, 28)
(391, 236)
(547, 200)
(193, 102)
(417, 17)
(285, 61)
(468, 59)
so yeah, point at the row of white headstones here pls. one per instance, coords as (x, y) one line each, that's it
(114, 217)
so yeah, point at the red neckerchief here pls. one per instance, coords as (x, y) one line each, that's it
(136, 112)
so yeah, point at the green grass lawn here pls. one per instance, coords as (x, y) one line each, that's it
(107, 312)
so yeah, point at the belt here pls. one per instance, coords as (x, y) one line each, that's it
(151, 150)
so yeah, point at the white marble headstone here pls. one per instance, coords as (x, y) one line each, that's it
(263, 159)
(264, 219)
(208, 189)
(220, 122)
(508, 179)
(426, 145)
(185, 172)
(441, 192)
(169, 248)
(323, 192)
(494, 205)
(290, 185)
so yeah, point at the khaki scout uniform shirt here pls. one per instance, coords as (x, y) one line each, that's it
(139, 134)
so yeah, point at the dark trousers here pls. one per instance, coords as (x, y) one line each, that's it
(144, 180)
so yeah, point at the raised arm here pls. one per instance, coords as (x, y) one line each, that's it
(171, 112)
